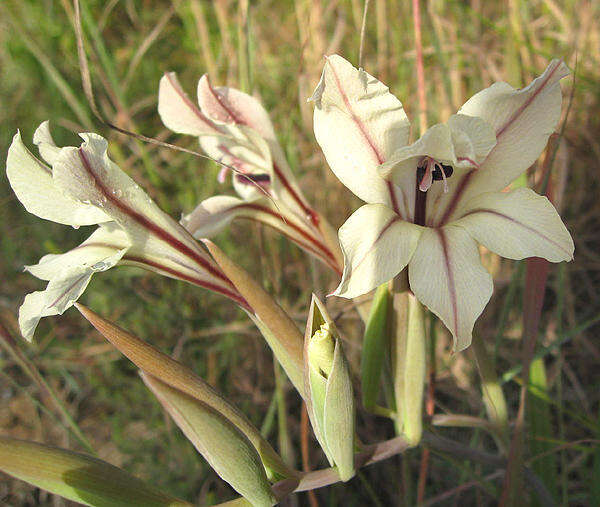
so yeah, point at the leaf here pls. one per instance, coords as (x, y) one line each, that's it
(374, 341)
(77, 477)
(226, 449)
(541, 431)
(150, 360)
(280, 326)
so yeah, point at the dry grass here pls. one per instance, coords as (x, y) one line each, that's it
(275, 49)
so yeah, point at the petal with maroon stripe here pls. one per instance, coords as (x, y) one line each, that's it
(517, 225)
(446, 274)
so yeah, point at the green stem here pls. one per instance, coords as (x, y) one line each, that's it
(491, 391)
(410, 365)
(285, 445)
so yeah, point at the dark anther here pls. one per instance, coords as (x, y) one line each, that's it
(249, 179)
(437, 174)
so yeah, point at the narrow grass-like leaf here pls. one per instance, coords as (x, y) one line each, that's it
(153, 362)
(595, 472)
(78, 477)
(541, 433)
(374, 342)
(226, 448)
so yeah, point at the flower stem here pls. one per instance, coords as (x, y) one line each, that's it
(409, 368)
(492, 394)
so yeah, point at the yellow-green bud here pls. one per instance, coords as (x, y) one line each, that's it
(320, 350)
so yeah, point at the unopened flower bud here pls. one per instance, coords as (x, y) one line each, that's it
(329, 397)
(320, 350)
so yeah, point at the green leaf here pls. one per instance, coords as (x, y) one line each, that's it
(150, 360)
(226, 449)
(280, 331)
(374, 342)
(76, 476)
(541, 432)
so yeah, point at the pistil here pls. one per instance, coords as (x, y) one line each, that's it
(420, 202)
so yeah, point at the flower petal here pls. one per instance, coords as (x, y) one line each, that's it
(212, 215)
(523, 120)
(377, 244)
(178, 112)
(104, 242)
(446, 275)
(359, 124)
(480, 138)
(435, 143)
(60, 293)
(88, 175)
(42, 138)
(228, 105)
(31, 181)
(517, 225)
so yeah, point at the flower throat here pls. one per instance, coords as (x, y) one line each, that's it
(428, 171)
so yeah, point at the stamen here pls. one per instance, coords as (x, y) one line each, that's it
(443, 171)
(427, 178)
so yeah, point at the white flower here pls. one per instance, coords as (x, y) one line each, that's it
(234, 129)
(431, 202)
(82, 186)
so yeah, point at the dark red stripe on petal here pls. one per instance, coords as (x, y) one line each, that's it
(311, 239)
(359, 123)
(204, 119)
(458, 193)
(377, 239)
(148, 224)
(517, 222)
(499, 133)
(68, 289)
(526, 104)
(363, 130)
(228, 110)
(450, 276)
(231, 294)
(310, 213)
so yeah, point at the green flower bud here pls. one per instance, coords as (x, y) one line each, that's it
(321, 349)
(329, 398)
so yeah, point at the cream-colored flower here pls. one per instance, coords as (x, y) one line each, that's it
(234, 129)
(82, 186)
(431, 202)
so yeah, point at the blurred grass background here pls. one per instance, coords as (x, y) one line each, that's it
(274, 49)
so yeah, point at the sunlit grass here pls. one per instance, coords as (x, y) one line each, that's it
(275, 49)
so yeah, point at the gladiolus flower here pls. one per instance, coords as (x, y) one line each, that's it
(429, 203)
(82, 186)
(234, 129)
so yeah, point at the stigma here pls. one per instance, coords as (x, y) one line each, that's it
(430, 170)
